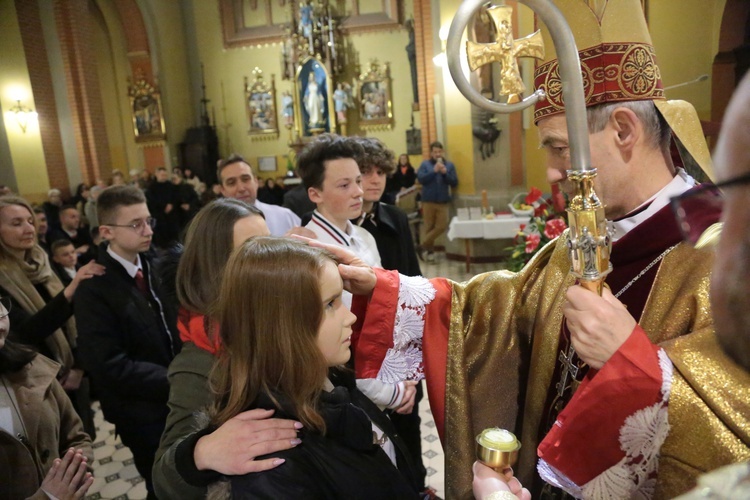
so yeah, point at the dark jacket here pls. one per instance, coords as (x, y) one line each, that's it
(393, 237)
(189, 394)
(436, 187)
(345, 463)
(406, 180)
(127, 342)
(297, 200)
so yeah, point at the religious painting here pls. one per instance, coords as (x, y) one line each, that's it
(375, 106)
(313, 97)
(148, 119)
(260, 103)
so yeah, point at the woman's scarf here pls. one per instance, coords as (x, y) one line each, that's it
(18, 279)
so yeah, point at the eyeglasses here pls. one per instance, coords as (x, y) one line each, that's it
(698, 209)
(5, 304)
(139, 226)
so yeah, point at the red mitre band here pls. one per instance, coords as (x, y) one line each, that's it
(612, 72)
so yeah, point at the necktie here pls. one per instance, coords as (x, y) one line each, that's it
(140, 283)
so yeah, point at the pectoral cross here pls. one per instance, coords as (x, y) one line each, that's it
(505, 50)
(569, 369)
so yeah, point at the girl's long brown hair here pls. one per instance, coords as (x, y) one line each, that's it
(208, 243)
(269, 311)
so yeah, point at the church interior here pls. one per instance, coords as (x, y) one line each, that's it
(90, 88)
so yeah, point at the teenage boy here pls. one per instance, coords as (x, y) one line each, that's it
(236, 180)
(64, 260)
(126, 336)
(389, 225)
(331, 175)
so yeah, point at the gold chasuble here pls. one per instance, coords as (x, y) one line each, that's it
(490, 348)
(504, 335)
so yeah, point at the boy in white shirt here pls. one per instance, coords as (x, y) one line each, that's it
(333, 181)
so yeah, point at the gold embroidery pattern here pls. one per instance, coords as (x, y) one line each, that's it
(611, 73)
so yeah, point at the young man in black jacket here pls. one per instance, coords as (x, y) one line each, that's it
(126, 336)
(390, 228)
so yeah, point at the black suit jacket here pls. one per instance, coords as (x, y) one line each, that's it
(393, 237)
(126, 341)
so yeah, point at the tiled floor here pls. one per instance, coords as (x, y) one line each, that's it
(115, 474)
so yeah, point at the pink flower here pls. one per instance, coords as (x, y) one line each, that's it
(533, 196)
(554, 228)
(532, 242)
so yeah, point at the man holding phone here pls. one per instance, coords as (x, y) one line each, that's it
(437, 176)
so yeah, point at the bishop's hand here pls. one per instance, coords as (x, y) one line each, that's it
(598, 325)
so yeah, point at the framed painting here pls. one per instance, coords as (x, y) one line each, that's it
(260, 103)
(375, 104)
(267, 164)
(148, 118)
(314, 99)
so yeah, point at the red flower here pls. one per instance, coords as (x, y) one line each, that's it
(533, 196)
(532, 242)
(558, 199)
(554, 228)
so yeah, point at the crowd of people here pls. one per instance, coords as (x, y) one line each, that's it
(243, 350)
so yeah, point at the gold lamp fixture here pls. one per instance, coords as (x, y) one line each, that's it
(23, 114)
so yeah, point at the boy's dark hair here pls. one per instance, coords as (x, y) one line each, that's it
(375, 155)
(436, 144)
(114, 197)
(311, 160)
(38, 210)
(67, 206)
(233, 158)
(57, 244)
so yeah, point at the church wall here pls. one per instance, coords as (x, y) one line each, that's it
(169, 58)
(685, 36)
(113, 72)
(230, 66)
(25, 149)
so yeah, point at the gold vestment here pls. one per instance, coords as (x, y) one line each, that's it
(504, 334)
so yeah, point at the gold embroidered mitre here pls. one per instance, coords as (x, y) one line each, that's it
(618, 63)
(617, 57)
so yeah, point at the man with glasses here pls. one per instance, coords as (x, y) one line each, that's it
(126, 335)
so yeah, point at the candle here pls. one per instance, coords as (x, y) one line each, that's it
(485, 202)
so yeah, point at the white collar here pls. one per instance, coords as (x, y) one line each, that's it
(343, 238)
(678, 185)
(130, 268)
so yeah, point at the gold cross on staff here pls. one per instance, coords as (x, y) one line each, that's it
(505, 50)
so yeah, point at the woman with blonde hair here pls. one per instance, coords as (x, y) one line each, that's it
(286, 335)
(41, 308)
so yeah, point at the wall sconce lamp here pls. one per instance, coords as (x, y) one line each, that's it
(22, 114)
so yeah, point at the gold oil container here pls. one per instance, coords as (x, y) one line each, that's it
(497, 448)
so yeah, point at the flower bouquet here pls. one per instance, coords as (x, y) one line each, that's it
(546, 223)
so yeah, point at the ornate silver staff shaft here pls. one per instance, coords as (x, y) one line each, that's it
(588, 242)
